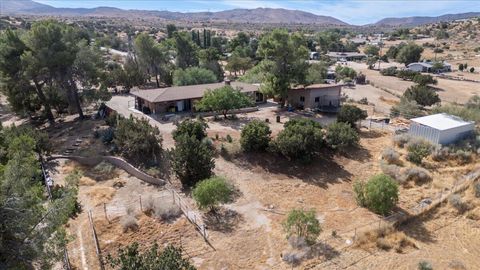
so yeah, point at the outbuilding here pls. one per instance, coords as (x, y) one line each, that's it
(441, 128)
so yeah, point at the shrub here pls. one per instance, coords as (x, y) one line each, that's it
(192, 160)
(299, 140)
(363, 101)
(167, 211)
(393, 171)
(340, 136)
(407, 74)
(193, 76)
(255, 136)
(223, 100)
(302, 224)
(107, 135)
(104, 169)
(440, 153)
(418, 150)
(129, 222)
(463, 156)
(211, 192)
(406, 108)
(358, 189)
(391, 71)
(351, 114)
(416, 174)
(424, 265)
(229, 138)
(456, 201)
(424, 79)
(401, 140)
(422, 94)
(472, 69)
(379, 194)
(189, 127)
(391, 156)
(148, 205)
(476, 189)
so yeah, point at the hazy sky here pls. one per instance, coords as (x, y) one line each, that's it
(350, 11)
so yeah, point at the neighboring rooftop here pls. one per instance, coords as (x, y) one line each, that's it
(441, 121)
(345, 54)
(187, 92)
(317, 86)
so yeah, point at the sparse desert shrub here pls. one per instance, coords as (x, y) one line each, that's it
(463, 157)
(351, 114)
(406, 108)
(341, 136)
(104, 169)
(129, 222)
(456, 265)
(401, 140)
(391, 156)
(293, 258)
(107, 135)
(418, 149)
(416, 174)
(379, 194)
(167, 211)
(363, 101)
(302, 224)
(255, 136)
(130, 210)
(386, 238)
(424, 265)
(457, 202)
(148, 205)
(392, 170)
(440, 153)
(476, 189)
(384, 244)
(229, 138)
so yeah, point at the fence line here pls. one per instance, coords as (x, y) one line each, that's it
(95, 240)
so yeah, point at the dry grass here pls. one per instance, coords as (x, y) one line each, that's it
(87, 181)
(101, 194)
(385, 238)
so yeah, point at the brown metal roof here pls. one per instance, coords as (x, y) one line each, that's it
(187, 92)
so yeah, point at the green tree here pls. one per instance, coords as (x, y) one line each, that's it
(301, 139)
(460, 67)
(193, 76)
(171, 28)
(424, 79)
(131, 258)
(289, 53)
(345, 72)
(409, 53)
(196, 128)
(192, 160)
(317, 73)
(186, 51)
(351, 114)
(211, 192)
(255, 136)
(340, 136)
(153, 58)
(138, 141)
(406, 108)
(379, 194)
(423, 95)
(418, 150)
(209, 59)
(302, 224)
(371, 50)
(223, 100)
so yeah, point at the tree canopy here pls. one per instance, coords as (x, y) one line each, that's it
(409, 53)
(193, 76)
(223, 100)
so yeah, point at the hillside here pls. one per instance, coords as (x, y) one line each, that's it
(419, 20)
(258, 15)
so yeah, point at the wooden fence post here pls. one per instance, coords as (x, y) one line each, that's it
(141, 206)
(105, 211)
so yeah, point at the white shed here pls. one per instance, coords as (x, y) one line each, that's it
(441, 128)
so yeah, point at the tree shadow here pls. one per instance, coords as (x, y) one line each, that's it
(416, 229)
(370, 134)
(322, 171)
(358, 153)
(222, 220)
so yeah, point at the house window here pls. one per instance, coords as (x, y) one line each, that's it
(302, 98)
(317, 99)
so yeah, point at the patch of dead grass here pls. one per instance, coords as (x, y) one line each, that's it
(101, 194)
(386, 238)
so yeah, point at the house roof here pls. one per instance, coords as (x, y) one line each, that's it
(429, 64)
(345, 54)
(441, 121)
(187, 92)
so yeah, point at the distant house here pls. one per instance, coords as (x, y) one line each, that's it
(441, 128)
(324, 97)
(428, 67)
(346, 56)
(314, 56)
(183, 98)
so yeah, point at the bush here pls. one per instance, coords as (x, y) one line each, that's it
(406, 108)
(255, 136)
(401, 140)
(407, 74)
(129, 222)
(391, 71)
(107, 135)
(393, 171)
(418, 150)
(351, 114)
(229, 138)
(211, 192)
(148, 205)
(379, 194)
(391, 156)
(300, 140)
(167, 211)
(440, 153)
(456, 201)
(472, 69)
(416, 174)
(302, 224)
(341, 136)
(423, 95)
(223, 100)
(424, 265)
(189, 127)
(424, 79)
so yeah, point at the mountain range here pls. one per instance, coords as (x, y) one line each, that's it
(254, 16)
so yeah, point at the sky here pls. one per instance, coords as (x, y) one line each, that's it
(351, 11)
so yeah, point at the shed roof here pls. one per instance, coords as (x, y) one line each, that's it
(187, 92)
(441, 121)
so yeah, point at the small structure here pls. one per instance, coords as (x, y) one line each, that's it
(183, 98)
(346, 56)
(441, 128)
(429, 67)
(314, 56)
(323, 97)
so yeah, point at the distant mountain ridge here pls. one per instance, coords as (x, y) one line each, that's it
(254, 16)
